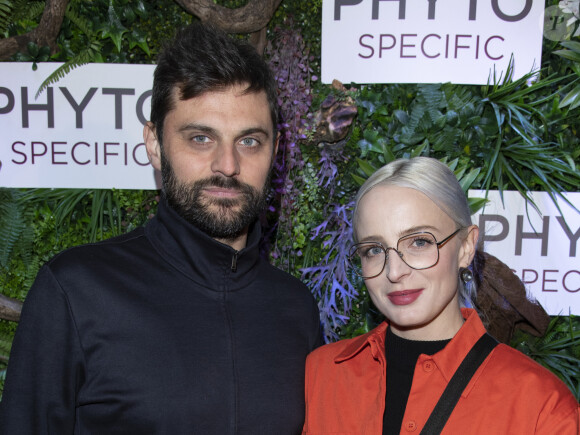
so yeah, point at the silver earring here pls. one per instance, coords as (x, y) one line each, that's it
(465, 275)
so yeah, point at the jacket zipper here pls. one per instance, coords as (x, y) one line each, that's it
(235, 261)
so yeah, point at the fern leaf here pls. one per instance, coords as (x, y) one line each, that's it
(27, 10)
(83, 24)
(5, 15)
(88, 55)
(12, 224)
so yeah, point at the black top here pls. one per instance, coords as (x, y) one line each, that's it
(154, 332)
(401, 355)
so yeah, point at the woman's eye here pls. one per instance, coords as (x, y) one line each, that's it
(421, 243)
(372, 251)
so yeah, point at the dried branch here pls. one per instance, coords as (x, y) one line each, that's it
(251, 18)
(10, 308)
(43, 35)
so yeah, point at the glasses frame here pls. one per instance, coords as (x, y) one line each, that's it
(386, 249)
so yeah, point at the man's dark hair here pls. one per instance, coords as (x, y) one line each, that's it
(202, 58)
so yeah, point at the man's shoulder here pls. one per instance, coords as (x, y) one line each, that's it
(282, 277)
(284, 288)
(107, 250)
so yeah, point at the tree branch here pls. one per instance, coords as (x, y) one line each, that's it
(43, 35)
(10, 308)
(250, 18)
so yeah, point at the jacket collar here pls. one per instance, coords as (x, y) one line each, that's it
(375, 339)
(447, 360)
(450, 357)
(198, 256)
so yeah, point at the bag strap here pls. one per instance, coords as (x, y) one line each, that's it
(459, 381)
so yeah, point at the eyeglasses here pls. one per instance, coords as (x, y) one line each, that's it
(417, 250)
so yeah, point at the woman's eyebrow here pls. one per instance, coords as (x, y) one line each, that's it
(372, 238)
(416, 229)
(407, 231)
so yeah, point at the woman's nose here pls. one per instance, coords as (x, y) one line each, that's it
(395, 266)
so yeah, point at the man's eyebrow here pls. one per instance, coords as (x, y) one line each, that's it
(210, 130)
(254, 130)
(197, 127)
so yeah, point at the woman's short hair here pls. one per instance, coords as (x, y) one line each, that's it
(435, 180)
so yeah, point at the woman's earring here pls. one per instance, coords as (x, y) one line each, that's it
(465, 275)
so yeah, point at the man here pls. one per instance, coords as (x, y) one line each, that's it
(178, 327)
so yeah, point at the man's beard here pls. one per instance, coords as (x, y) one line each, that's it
(224, 222)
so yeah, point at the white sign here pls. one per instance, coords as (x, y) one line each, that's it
(84, 131)
(429, 41)
(543, 251)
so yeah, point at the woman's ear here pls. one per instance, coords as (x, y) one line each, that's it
(152, 145)
(468, 246)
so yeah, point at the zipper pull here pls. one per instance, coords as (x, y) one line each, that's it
(235, 261)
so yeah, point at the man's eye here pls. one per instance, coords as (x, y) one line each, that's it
(200, 139)
(249, 142)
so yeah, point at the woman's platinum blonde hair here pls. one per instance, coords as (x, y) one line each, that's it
(435, 180)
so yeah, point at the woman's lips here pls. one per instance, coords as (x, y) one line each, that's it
(404, 297)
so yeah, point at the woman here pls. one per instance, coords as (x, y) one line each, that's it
(414, 243)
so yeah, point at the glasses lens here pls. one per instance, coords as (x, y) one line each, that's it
(419, 251)
(367, 259)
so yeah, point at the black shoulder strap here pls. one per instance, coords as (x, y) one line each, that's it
(459, 381)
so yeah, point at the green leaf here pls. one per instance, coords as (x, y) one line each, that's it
(367, 168)
(572, 45)
(12, 223)
(567, 54)
(114, 29)
(82, 23)
(388, 155)
(140, 9)
(32, 49)
(571, 99)
(468, 179)
(476, 204)
(89, 54)
(417, 151)
(137, 38)
(5, 15)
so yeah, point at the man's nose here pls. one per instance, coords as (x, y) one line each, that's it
(226, 161)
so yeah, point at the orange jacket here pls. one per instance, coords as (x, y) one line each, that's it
(509, 393)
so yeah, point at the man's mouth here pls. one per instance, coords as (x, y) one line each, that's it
(222, 192)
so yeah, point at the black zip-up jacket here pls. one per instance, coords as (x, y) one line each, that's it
(161, 331)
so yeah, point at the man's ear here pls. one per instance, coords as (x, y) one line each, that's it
(152, 145)
(468, 246)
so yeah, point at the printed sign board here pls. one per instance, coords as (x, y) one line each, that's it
(85, 131)
(542, 250)
(433, 41)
